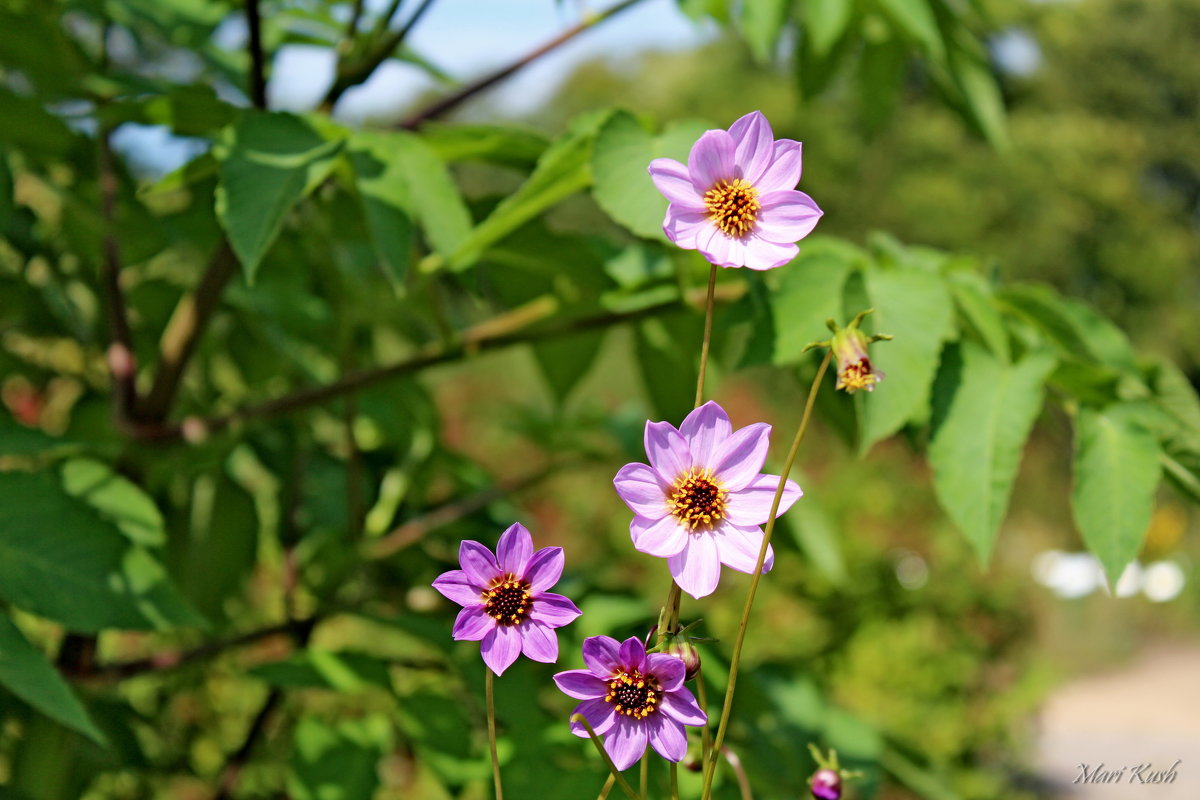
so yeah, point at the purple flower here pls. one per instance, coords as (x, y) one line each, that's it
(504, 599)
(826, 785)
(736, 201)
(701, 500)
(631, 698)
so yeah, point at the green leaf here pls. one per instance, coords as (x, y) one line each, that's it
(808, 294)
(761, 22)
(564, 361)
(667, 349)
(915, 19)
(29, 127)
(972, 75)
(60, 559)
(1072, 326)
(913, 306)
(386, 201)
(818, 538)
(973, 297)
(423, 187)
(825, 21)
(1116, 474)
(338, 762)
(490, 144)
(622, 153)
(19, 440)
(976, 450)
(26, 673)
(322, 669)
(563, 170)
(268, 163)
(116, 500)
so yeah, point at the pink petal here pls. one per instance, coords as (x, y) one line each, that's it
(643, 490)
(682, 706)
(711, 160)
(580, 684)
(786, 216)
(672, 179)
(478, 562)
(456, 586)
(685, 227)
(704, 429)
(626, 742)
(538, 641)
(738, 547)
(739, 459)
(667, 450)
(754, 146)
(662, 538)
(599, 714)
(751, 505)
(633, 654)
(601, 655)
(763, 255)
(722, 250)
(669, 670)
(500, 648)
(553, 610)
(784, 171)
(544, 569)
(472, 624)
(514, 549)
(667, 737)
(697, 568)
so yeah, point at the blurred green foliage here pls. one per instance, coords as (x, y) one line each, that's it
(251, 407)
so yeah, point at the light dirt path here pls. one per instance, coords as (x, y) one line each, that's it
(1146, 712)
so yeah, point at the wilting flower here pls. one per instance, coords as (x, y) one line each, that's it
(849, 345)
(736, 201)
(701, 500)
(504, 599)
(631, 698)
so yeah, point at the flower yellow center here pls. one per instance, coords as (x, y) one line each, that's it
(857, 375)
(508, 601)
(732, 206)
(633, 694)
(697, 499)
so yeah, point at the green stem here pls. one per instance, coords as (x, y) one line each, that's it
(616, 773)
(644, 781)
(710, 767)
(491, 719)
(705, 733)
(708, 319)
(606, 788)
(674, 781)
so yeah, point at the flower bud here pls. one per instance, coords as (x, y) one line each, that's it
(826, 784)
(679, 645)
(849, 347)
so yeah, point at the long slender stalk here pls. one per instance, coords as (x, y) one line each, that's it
(739, 772)
(708, 319)
(606, 788)
(710, 766)
(616, 773)
(674, 781)
(491, 719)
(705, 733)
(644, 782)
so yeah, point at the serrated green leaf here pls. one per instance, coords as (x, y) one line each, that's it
(976, 450)
(973, 297)
(60, 559)
(761, 23)
(268, 162)
(808, 294)
(825, 21)
(25, 672)
(1072, 326)
(565, 168)
(1117, 467)
(914, 307)
(116, 499)
(622, 153)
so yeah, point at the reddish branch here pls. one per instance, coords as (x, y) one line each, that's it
(121, 362)
(440, 107)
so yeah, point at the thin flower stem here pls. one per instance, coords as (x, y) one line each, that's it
(708, 319)
(491, 716)
(606, 788)
(587, 726)
(705, 734)
(710, 766)
(644, 781)
(674, 781)
(739, 771)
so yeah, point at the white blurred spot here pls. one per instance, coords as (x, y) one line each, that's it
(1163, 581)
(911, 570)
(1068, 574)
(1130, 582)
(1016, 52)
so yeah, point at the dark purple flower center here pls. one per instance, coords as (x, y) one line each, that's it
(856, 375)
(732, 206)
(697, 500)
(633, 694)
(508, 601)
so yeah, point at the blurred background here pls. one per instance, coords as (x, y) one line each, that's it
(878, 632)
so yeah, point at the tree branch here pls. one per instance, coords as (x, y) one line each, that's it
(258, 62)
(121, 361)
(352, 74)
(486, 336)
(440, 107)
